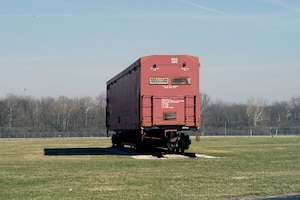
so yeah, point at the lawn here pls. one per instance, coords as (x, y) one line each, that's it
(244, 167)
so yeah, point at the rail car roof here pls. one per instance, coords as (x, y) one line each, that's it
(134, 66)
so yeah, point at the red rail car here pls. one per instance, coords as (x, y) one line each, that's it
(155, 102)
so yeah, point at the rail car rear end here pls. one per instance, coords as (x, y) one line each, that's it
(154, 102)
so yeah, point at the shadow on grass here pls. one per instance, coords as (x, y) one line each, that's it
(156, 152)
(86, 151)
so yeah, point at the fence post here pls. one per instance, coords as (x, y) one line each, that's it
(225, 129)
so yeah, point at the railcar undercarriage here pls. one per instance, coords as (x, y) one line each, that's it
(172, 139)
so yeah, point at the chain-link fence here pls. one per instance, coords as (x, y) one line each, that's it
(53, 134)
(257, 132)
(263, 128)
(209, 132)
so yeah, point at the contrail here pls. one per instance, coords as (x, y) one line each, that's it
(283, 4)
(202, 7)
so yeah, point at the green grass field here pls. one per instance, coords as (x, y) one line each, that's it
(245, 167)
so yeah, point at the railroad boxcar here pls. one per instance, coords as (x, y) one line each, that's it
(155, 102)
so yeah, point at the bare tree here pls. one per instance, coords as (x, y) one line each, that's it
(279, 114)
(12, 106)
(100, 115)
(205, 100)
(295, 110)
(255, 110)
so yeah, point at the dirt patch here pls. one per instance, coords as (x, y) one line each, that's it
(170, 156)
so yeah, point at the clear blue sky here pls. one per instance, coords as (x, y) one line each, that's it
(72, 47)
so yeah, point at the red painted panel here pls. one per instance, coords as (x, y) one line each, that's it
(169, 110)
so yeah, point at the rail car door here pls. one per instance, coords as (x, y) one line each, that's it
(160, 111)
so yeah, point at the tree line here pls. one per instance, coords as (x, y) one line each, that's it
(255, 114)
(62, 114)
(86, 114)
